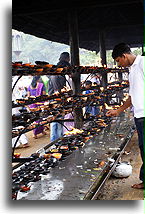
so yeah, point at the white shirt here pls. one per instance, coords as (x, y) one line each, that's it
(136, 83)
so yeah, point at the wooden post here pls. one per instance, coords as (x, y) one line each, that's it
(74, 38)
(120, 93)
(120, 76)
(143, 49)
(102, 47)
(74, 50)
(103, 56)
(103, 60)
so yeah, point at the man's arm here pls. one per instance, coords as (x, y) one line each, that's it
(120, 109)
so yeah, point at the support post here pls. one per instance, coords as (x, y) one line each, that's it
(143, 49)
(103, 56)
(102, 47)
(74, 50)
(120, 93)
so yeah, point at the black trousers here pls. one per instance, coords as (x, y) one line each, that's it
(140, 126)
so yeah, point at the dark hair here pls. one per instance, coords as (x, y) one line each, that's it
(34, 81)
(120, 49)
(88, 82)
(64, 56)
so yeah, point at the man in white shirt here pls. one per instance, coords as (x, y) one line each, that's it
(124, 57)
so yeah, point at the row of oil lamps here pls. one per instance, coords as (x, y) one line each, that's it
(18, 68)
(42, 164)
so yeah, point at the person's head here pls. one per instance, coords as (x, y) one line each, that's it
(122, 55)
(95, 83)
(64, 57)
(88, 84)
(34, 81)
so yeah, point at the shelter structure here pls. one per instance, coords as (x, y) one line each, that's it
(93, 25)
(119, 20)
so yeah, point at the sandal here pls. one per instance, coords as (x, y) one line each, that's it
(138, 186)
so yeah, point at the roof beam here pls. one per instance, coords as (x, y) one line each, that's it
(52, 6)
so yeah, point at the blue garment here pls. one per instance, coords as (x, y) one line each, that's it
(88, 91)
(139, 122)
(94, 110)
(56, 131)
(56, 83)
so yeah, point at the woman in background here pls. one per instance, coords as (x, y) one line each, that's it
(36, 89)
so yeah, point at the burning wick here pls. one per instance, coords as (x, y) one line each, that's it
(74, 131)
(102, 89)
(56, 93)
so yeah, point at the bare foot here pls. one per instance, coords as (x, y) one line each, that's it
(46, 127)
(35, 136)
(44, 133)
(138, 186)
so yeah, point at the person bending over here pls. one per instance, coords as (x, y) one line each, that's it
(124, 57)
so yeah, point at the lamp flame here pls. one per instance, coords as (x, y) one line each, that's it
(74, 131)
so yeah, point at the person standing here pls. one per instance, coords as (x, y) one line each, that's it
(36, 89)
(93, 110)
(23, 140)
(45, 80)
(124, 57)
(55, 84)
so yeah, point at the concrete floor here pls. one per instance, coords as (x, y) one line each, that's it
(120, 189)
(115, 189)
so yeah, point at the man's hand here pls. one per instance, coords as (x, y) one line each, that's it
(112, 113)
(120, 109)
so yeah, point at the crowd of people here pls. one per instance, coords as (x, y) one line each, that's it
(51, 84)
(41, 85)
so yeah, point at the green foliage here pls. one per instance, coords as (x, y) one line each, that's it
(34, 49)
(137, 51)
(110, 60)
(88, 57)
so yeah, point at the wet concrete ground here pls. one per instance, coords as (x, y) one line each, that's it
(120, 189)
(71, 179)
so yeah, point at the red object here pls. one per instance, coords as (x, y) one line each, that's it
(25, 188)
(17, 155)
